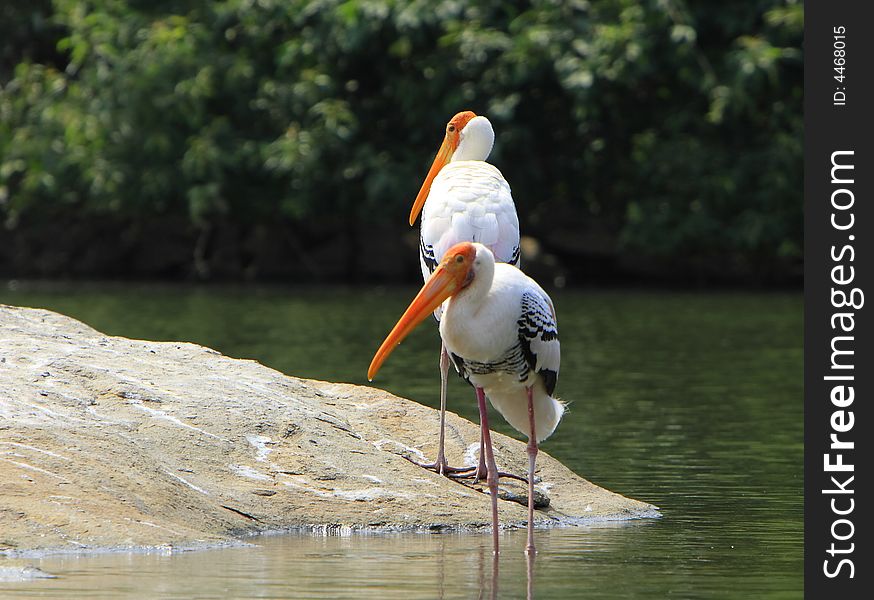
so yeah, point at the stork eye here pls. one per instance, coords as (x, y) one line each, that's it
(459, 258)
(451, 128)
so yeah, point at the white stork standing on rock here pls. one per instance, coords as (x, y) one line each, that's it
(500, 330)
(463, 199)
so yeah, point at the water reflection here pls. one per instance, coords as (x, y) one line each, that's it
(529, 560)
(612, 560)
(444, 566)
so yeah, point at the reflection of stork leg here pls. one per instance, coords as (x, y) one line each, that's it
(529, 559)
(492, 477)
(532, 458)
(496, 577)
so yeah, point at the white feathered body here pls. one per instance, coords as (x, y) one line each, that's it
(504, 339)
(469, 201)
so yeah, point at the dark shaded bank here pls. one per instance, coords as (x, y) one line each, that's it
(239, 140)
(84, 247)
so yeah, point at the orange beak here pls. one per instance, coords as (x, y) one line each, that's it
(447, 279)
(444, 155)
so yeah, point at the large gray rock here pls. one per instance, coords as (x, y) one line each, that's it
(110, 442)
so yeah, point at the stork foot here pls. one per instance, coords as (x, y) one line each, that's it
(478, 474)
(443, 468)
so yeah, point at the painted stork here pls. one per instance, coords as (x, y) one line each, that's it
(463, 199)
(500, 330)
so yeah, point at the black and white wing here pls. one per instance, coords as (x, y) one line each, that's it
(538, 336)
(470, 201)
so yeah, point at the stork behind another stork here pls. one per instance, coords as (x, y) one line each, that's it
(463, 199)
(499, 328)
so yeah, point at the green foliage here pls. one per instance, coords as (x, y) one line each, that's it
(673, 125)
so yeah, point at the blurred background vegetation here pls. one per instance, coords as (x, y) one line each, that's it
(285, 140)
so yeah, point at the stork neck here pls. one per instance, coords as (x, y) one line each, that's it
(476, 142)
(484, 276)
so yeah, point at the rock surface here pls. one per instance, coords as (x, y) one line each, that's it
(107, 442)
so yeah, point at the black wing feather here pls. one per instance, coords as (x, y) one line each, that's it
(538, 333)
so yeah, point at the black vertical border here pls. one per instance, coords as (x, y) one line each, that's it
(830, 128)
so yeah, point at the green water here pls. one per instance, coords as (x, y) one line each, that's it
(690, 401)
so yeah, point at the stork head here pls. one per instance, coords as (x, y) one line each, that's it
(468, 137)
(454, 273)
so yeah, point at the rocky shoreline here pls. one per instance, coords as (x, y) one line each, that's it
(108, 443)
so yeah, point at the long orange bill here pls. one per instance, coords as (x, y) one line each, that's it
(438, 288)
(443, 156)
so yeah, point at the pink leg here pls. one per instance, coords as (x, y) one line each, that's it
(444, 381)
(481, 470)
(492, 477)
(532, 457)
(440, 465)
